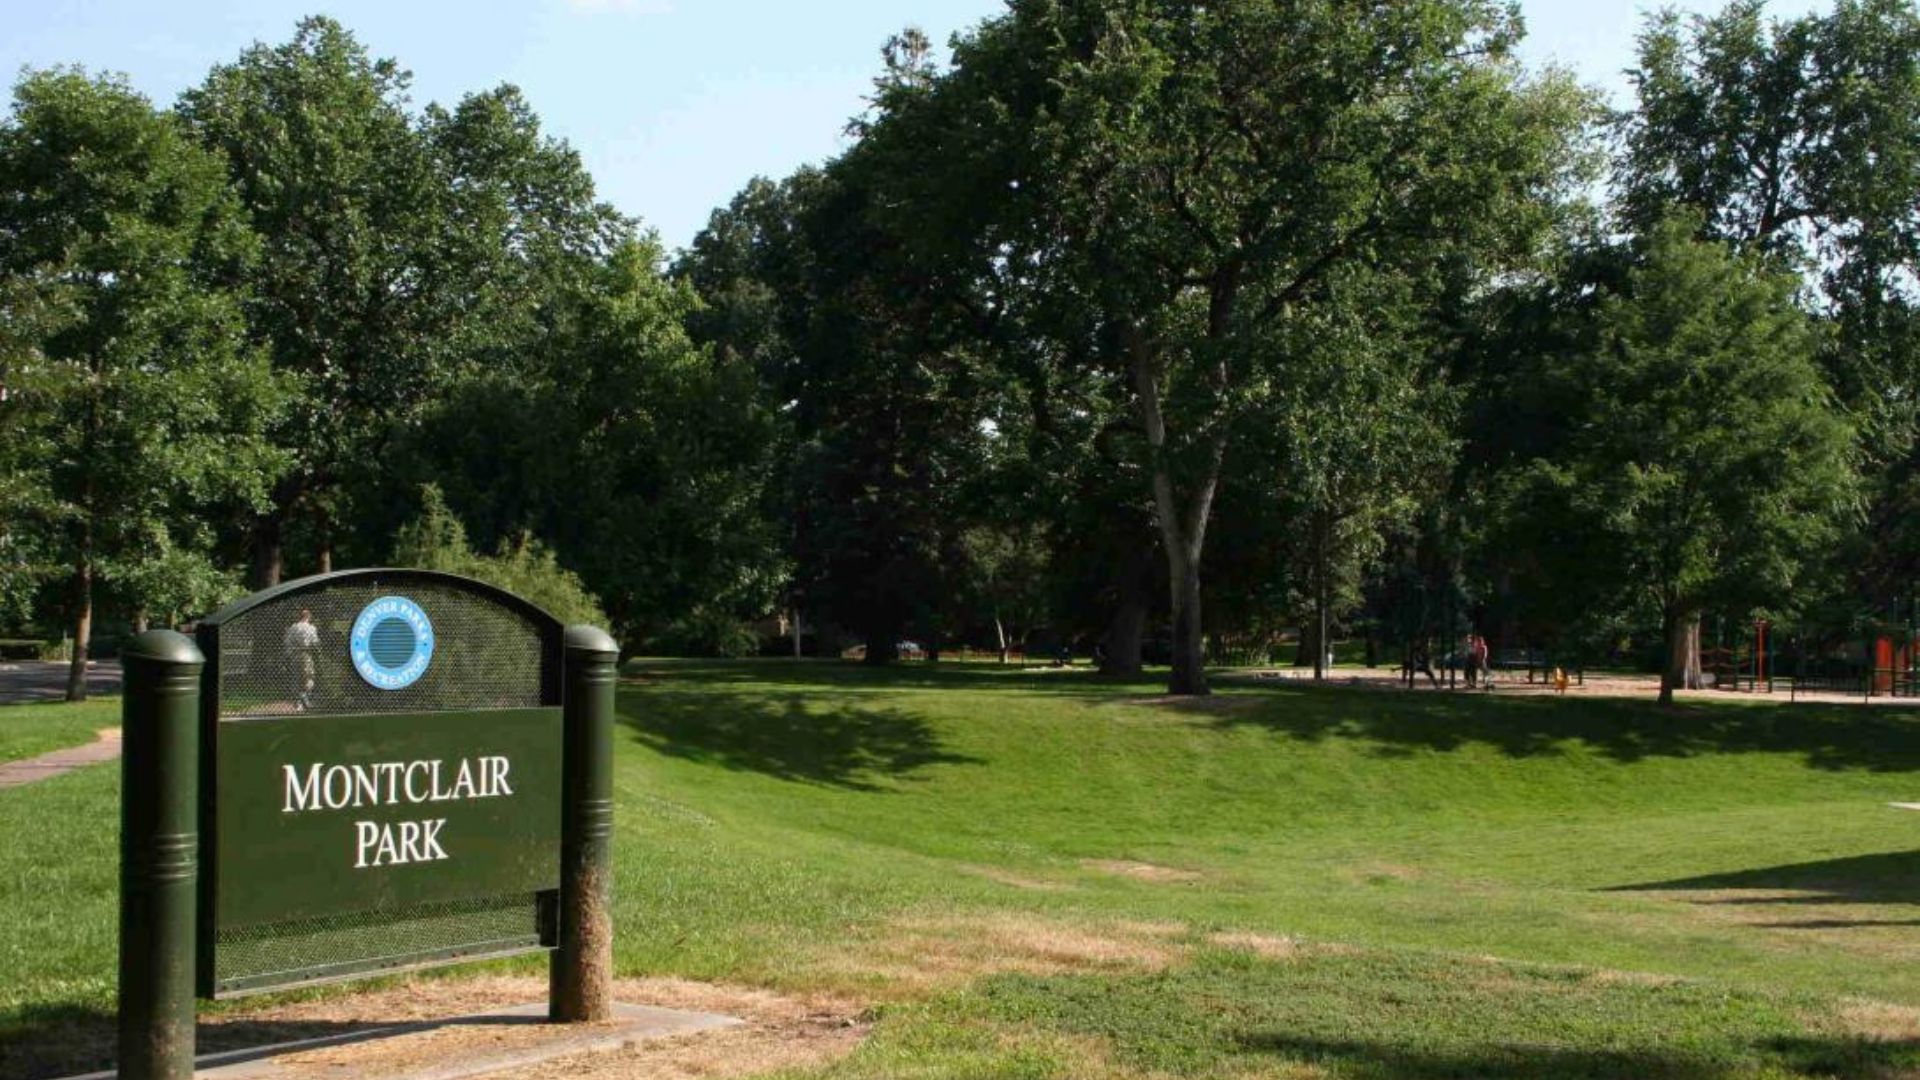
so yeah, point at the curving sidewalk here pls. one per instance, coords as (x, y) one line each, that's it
(104, 747)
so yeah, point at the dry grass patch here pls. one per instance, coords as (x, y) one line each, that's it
(1881, 1021)
(1017, 881)
(1142, 871)
(925, 954)
(1611, 977)
(1280, 946)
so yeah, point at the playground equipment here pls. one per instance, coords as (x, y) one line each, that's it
(1885, 663)
(1747, 664)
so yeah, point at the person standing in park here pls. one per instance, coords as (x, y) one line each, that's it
(1477, 660)
(300, 641)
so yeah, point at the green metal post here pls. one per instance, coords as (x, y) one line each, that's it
(581, 974)
(159, 845)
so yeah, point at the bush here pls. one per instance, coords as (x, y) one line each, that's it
(435, 540)
(29, 649)
(705, 633)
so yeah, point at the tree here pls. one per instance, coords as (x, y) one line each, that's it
(132, 399)
(1359, 433)
(1200, 174)
(1703, 450)
(348, 295)
(1007, 565)
(640, 456)
(846, 304)
(1800, 138)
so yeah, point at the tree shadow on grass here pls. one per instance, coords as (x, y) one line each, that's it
(1832, 1057)
(793, 736)
(1826, 736)
(1891, 877)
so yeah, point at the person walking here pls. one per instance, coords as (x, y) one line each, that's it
(1479, 652)
(300, 641)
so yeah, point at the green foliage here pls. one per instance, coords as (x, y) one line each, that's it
(1703, 463)
(1200, 180)
(319, 149)
(1800, 137)
(640, 456)
(435, 540)
(704, 632)
(133, 404)
(398, 254)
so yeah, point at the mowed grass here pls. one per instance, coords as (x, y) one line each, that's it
(1041, 874)
(29, 730)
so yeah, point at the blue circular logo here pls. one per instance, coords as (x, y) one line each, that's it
(391, 643)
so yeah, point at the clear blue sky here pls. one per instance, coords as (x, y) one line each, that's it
(673, 104)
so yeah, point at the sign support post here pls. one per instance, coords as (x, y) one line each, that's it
(159, 854)
(581, 971)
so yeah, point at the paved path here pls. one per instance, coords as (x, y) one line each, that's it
(105, 747)
(25, 681)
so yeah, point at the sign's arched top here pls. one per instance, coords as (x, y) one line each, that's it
(391, 643)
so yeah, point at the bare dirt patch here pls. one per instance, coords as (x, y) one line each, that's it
(923, 954)
(1142, 871)
(1018, 881)
(780, 1031)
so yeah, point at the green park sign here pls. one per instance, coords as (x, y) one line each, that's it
(360, 773)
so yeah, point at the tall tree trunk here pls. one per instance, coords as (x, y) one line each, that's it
(1310, 646)
(1322, 643)
(1127, 629)
(269, 553)
(1000, 631)
(796, 633)
(82, 627)
(1183, 527)
(1189, 674)
(882, 648)
(1682, 669)
(1126, 633)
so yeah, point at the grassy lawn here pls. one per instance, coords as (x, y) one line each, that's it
(1040, 874)
(27, 730)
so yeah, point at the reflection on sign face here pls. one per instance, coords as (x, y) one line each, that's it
(392, 643)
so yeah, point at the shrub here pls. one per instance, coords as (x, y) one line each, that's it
(705, 633)
(435, 540)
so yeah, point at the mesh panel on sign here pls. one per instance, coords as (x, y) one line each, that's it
(279, 954)
(482, 655)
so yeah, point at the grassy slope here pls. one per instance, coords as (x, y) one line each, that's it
(27, 730)
(781, 822)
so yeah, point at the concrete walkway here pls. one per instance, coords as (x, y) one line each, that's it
(105, 747)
